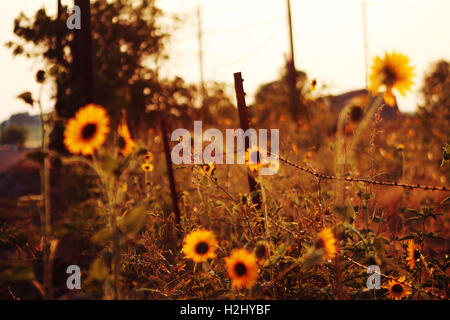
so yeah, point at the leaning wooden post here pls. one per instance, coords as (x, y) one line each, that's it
(170, 174)
(244, 122)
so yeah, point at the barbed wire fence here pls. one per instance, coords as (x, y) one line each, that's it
(322, 176)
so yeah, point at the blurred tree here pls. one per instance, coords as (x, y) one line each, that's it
(271, 109)
(273, 98)
(434, 114)
(14, 134)
(126, 35)
(220, 111)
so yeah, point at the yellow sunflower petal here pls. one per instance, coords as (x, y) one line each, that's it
(126, 143)
(87, 131)
(200, 245)
(392, 72)
(242, 268)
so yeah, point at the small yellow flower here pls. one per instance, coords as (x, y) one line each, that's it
(147, 167)
(87, 131)
(400, 147)
(412, 255)
(125, 142)
(326, 242)
(148, 157)
(398, 289)
(254, 159)
(242, 268)
(313, 84)
(208, 168)
(200, 245)
(391, 72)
(261, 251)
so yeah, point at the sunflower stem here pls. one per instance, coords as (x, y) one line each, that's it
(266, 227)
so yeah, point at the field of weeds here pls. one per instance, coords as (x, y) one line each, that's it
(356, 204)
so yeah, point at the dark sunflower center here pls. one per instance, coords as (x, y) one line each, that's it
(206, 167)
(319, 244)
(256, 157)
(89, 131)
(240, 269)
(390, 76)
(397, 288)
(121, 143)
(261, 251)
(201, 248)
(356, 113)
(416, 254)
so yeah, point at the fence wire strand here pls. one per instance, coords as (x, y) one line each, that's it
(363, 180)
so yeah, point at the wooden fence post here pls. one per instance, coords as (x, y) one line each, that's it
(244, 122)
(170, 174)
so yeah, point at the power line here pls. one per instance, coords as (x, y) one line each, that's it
(200, 50)
(365, 40)
(254, 50)
(244, 27)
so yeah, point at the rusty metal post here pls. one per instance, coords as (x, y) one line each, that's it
(170, 174)
(244, 122)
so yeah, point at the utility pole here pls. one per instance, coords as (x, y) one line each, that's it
(82, 60)
(366, 50)
(200, 54)
(292, 73)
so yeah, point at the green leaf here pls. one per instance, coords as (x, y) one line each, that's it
(17, 273)
(434, 235)
(109, 164)
(133, 221)
(414, 218)
(27, 98)
(377, 219)
(98, 271)
(352, 229)
(103, 236)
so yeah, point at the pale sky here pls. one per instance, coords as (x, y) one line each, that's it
(251, 36)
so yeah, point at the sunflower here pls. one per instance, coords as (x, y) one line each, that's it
(242, 268)
(125, 142)
(313, 85)
(148, 157)
(87, 131)
(391, 72)
(254, 159)
(412, 255)
(200, 245)
(356, 113)
(147, 167)
(398, 289)
(261, 251)
(400, 147)
(326, 242)
(208, 168)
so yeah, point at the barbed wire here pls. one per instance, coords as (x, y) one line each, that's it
(298, 235)
(394, 279)
(363, 180)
